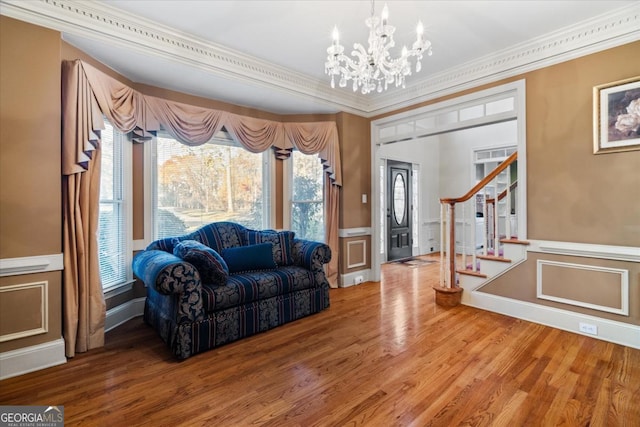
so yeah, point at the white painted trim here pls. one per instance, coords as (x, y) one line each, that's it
(364, 254)
(44, 309)
(608, 330)
(349, 279)
(624, 286)
(118, 289)
(33, 358)
(354, 232)
(140, 244)
(105, 23)
(123, 313)
(517, 89)
(31, 264)
(588, 250)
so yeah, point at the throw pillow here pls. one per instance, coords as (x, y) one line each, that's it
(249, 258)
(211, 266)
(282, 243)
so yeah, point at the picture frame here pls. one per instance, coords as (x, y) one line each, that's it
(616, 116)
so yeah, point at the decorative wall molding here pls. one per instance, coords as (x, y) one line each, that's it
(29, 359)
(363, 255)
(624, 286)
(588, 250)
(354, 232)
(123, 313)
(608, 330)
(44, 309)
(105, 23)
(31, 264)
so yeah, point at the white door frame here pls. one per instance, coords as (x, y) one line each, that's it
(516, 89)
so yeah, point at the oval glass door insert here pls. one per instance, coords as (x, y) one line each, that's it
(399, 198)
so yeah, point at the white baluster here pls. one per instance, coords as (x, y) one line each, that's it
(508, 209)
(474, 230)
(464, 238)
(496, 233)
(442, 276)
(485, 232)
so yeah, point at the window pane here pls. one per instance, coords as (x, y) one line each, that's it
(307, 201)
(212, 182)
(112, 235)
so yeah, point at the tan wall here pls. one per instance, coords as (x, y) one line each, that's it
(23, 301)
(355, 153)
(30, 171)
(582, 285)
(573, 195)
(355, 254)
(30, 177)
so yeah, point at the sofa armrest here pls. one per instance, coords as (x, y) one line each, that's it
(310, 255)
(166, 274)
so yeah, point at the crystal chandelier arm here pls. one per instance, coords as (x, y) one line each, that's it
(373, 68)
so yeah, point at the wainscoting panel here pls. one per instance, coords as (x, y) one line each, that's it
(598, 288)
(356, 253)
(24, 310)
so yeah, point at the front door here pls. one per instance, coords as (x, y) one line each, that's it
(399, 210)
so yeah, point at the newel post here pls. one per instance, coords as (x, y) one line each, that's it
(452, 246)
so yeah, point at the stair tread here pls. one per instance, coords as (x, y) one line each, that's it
(472, 273)
(493, 258)
(514, 241)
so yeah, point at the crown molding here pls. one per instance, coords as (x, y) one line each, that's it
(108, 24)
(105, 23)
(606, 31)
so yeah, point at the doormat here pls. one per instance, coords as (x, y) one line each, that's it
(413, 262)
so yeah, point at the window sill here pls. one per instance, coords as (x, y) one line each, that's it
(118, 289)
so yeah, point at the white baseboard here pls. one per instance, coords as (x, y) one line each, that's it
(349, 279)
(608, 330)
(33, 358)
(123, 313)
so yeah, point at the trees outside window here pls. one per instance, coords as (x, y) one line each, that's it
(216, 181)
(307, 196)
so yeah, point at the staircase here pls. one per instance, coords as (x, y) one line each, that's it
(472, 256)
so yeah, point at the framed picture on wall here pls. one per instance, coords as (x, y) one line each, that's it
(616, 116)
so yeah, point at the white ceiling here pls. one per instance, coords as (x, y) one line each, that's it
(270, 54)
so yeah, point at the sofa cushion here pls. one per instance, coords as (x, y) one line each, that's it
(249, 258)
(282, 243)
(210, 265)
(257, 285)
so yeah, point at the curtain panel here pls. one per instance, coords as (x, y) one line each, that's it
(87, 95)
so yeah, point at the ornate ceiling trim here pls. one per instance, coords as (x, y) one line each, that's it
(105, 23)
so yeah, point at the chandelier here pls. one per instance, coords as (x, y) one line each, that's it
(374, 68)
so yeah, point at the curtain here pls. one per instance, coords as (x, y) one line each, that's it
(83, 300)
(87, 94)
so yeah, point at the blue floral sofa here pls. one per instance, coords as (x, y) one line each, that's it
(224, 282)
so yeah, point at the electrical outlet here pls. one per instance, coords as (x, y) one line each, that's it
(358, 279)
(588, 328)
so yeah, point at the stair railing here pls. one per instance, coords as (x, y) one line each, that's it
(491, 235)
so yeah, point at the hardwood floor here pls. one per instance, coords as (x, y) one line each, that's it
(383, 354)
